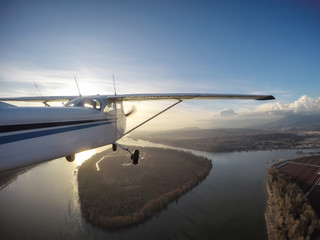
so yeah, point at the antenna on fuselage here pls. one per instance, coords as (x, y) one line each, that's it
(77, 86)
(115, 109)
(114, 85)
(44, 102)
(37, 88)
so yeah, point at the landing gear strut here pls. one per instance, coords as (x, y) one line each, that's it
(134, 156)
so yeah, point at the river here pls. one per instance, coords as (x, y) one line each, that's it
(43, 203)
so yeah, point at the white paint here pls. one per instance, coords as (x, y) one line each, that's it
(30, 135)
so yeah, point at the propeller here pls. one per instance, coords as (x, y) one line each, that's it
(132, 110)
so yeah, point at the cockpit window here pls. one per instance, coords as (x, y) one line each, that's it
(72, 103)
(88, 103)
(92, 103)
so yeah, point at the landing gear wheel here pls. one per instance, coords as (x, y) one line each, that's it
(114, 147)
(135, 157)
(70, 158)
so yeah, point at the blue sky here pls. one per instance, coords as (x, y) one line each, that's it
(260, 46)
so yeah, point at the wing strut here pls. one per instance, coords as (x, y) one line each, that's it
(152, 117)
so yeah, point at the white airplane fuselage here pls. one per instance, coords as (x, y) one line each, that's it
(30, 135)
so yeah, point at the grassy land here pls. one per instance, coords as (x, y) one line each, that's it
(119, 195)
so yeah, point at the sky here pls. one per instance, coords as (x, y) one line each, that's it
(227, 46)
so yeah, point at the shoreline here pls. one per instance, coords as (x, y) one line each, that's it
(272, 216)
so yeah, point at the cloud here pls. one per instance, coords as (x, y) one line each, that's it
(304, 104)
(227, 112)
(250, 117)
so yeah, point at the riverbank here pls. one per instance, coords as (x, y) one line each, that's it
(289, 214)
(121, 194)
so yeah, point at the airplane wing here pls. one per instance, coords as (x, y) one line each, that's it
(187, 96)
(146, 97)
(39, 99)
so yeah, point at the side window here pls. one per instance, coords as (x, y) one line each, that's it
(70, 104)
(109, 108)
(113, 108)
(98, 104)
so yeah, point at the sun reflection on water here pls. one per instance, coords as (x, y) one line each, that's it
(81, 157)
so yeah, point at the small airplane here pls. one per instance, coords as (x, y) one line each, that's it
(30, 135)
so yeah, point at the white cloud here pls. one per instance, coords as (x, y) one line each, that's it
(256, 117)
(227, 112)
(304, 104)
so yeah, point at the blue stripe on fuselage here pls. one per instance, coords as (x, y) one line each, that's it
(29, 135)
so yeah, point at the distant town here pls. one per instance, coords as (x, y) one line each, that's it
(226, 140)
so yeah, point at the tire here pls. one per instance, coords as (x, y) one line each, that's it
(135, 157)
(114, 147)
(70, 158)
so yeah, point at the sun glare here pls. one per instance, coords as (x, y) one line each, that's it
(83, 156)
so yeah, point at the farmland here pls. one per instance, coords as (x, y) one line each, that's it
(305, 172)
(293, 199)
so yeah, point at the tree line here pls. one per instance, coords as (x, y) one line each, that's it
(298, 219)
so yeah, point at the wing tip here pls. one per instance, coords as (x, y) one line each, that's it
(268, 97)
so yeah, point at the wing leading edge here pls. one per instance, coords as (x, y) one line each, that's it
(188, 96)
(39, 99)
(146, 97)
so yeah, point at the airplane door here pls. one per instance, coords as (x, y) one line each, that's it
(115, 114)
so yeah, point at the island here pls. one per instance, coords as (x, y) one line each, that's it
(113, 193)
(293, 205)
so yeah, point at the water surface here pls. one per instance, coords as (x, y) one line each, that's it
(43, 203)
